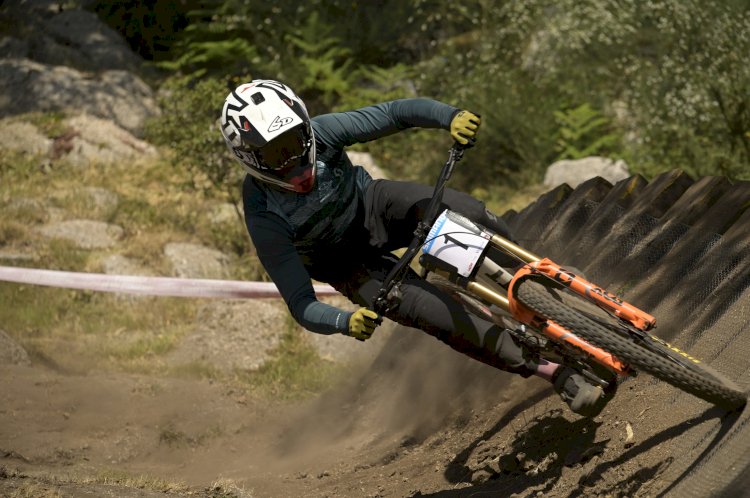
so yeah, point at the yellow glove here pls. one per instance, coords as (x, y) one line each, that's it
(362, 324)
(464, 127)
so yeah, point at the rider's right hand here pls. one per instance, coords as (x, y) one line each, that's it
(464, 127)
(363, 323)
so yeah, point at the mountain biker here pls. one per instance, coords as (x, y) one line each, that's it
(311, 214)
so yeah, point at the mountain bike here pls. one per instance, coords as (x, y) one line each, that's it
(552, 310)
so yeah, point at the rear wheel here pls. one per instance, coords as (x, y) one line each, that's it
(644, 352)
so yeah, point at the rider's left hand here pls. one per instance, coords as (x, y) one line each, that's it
(464, 127)
(363, 323)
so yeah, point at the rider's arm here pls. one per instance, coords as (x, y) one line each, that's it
(341, 129)
(273, 243)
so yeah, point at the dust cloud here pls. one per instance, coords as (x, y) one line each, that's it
(412, 389)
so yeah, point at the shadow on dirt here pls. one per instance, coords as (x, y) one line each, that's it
(539, 453)
(458, 469)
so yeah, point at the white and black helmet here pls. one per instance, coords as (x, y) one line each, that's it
(266, 126)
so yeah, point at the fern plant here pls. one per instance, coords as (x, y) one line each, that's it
(378, 84)
(584, 132)
(320, 64)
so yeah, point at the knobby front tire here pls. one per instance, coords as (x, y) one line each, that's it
(656, 360)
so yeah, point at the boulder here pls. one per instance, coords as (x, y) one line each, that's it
(366, 160)
(98, 141)
(85, 234)
(63, 35)
(24, 138)
(196, 261)
(233, 334)
(576, 171)
(116, 95)
(11, 353)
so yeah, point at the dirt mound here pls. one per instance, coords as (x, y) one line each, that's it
(421, 420)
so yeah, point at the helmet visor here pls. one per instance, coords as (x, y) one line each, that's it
(285, 152)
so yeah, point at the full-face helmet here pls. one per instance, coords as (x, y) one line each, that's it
(266, 126)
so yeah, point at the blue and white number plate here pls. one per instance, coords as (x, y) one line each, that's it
(460, 245)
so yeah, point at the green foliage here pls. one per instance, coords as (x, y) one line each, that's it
(378, 84)
(321, 64)
(18, 165)
(197, 58)
(584, 132)
(188, 125)
(667, 74)
(149, 26)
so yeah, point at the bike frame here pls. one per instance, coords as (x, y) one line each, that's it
(389, 293)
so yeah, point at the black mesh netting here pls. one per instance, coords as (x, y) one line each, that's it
(680, 249)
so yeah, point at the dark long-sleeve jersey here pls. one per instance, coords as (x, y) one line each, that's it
(293, 232)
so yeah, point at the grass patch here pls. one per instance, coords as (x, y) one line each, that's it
(197, 370)
(173, 437)
(121, 478)
(295, 371)
(12, 232)
(95, 329)
(17, 166)
(49, 123)
(35, 490)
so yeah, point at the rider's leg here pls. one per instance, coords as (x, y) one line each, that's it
(425, 307)
(393, 209)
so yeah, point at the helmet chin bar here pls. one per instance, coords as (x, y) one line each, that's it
(302, 183)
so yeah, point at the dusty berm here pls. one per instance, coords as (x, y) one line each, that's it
(419, 419)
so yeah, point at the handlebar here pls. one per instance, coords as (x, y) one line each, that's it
(389, 294)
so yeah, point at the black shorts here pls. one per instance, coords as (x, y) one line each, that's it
(392, 211)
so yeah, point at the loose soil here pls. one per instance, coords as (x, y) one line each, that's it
(419, 420)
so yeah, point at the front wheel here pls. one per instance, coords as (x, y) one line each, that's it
(650, 355)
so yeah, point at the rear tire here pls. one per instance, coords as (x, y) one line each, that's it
(653, 357)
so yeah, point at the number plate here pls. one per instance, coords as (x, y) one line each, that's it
(456, 244)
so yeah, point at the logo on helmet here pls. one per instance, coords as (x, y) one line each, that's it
(278, 123)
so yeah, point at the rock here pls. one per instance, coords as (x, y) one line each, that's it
(94, 45)
(98, 141)
(196, 261)
(31, 210)
(64, 35)
(481, 476)
(233, 334)
(117, 264)
(11, 353)
(223, 213)
(365, 160)
(85, 234)
(98, 200)
(23, 137)
(115, 95)
(575, 172)
(88, 140)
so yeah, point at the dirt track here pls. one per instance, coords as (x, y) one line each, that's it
(422, 420)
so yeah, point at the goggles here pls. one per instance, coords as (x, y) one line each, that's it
(285, 152)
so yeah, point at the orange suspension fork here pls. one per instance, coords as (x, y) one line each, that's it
(640, 319)
(560, 334)
(593, 293)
